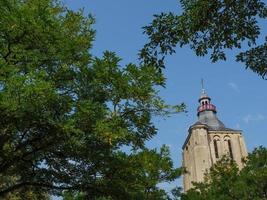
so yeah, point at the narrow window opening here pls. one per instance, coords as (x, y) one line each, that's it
(216, 149)
(230, 149)
(206, 102)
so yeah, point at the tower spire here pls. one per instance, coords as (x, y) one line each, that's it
(202, 86)
(205, 101)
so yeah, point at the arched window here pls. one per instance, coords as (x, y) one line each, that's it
(216, 148)
(230, 149)
(228, 146)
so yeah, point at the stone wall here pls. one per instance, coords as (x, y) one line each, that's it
(199, 152)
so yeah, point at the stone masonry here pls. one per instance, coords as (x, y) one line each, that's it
(207, 141)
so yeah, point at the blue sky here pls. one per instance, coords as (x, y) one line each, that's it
(239, 94)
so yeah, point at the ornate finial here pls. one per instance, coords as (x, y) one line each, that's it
(202, 86)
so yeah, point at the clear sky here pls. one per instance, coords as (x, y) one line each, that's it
(239, 94)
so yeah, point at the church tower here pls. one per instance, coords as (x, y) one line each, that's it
(207, 141)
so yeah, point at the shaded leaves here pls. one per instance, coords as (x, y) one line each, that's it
(209, 27)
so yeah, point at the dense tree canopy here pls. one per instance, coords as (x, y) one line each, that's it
(226, 182)
(210, 27)
(65, 114)
(139, 174)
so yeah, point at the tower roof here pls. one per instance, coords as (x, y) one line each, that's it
(206, 113)
(207, 117)
(210, 119)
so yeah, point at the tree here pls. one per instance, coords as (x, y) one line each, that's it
(27, 193)
(67, 195)
(137, 178)
(226, 182)
(142, 172)
(24, 193)
(64, 113)
(210, 27)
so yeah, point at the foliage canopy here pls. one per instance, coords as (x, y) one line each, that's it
(210, 27)
(65, 114)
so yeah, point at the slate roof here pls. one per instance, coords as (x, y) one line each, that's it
(210, 128)
(208, 119)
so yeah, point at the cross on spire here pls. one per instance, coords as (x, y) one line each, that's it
(202, 86)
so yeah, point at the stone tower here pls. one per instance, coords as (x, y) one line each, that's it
(207, 141)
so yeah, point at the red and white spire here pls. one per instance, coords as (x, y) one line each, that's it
(205, 102)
